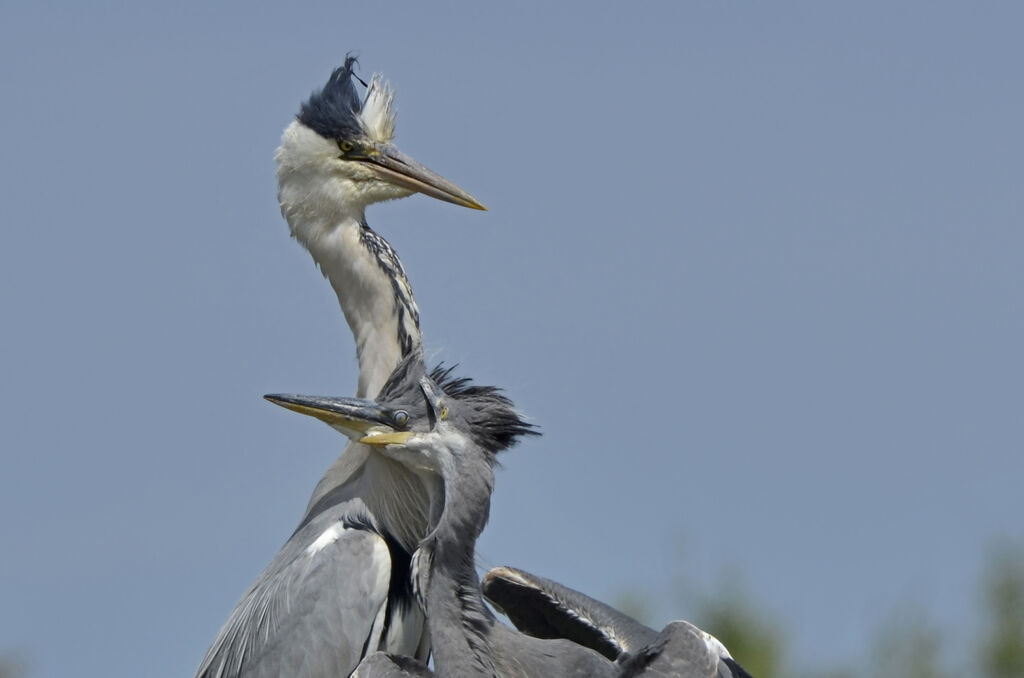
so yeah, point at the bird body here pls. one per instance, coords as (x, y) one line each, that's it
(450, 435)
(328, 583)
(339, 587)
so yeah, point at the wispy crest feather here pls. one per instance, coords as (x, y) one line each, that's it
(378, 115)
(494, 422)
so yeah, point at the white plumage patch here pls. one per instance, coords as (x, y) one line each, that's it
(328, 537)
(714, 644)
(377, 116)
(419, 574)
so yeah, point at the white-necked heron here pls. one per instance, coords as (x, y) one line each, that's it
(339, 587)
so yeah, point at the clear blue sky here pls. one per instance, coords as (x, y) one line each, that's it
(756, 269)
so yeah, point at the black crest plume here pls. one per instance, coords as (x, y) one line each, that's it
(333, 112)
(493, 420)
(491, 417)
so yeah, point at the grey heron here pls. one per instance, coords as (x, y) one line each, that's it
(547, 609)
(449, 432)
(339, 588)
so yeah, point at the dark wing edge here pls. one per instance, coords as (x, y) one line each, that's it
(545, 609)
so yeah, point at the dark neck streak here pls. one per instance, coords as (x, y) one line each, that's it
(405, 305)
(374, 294)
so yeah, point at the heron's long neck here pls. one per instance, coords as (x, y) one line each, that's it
(374, 294)
(378, 304)
(449, 588)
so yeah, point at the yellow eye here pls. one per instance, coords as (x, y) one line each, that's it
(444, 413)
(345, 146)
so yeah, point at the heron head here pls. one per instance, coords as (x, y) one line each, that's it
(407, 409)
(423, 420)
(345, 140)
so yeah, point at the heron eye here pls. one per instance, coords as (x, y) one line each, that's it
(345, 146)
(401, 417)
(444, 413)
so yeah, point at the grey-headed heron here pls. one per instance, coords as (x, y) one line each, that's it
(339, 587)
(449, 432)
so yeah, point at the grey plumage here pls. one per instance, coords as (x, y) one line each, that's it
(383, 665)
(451, 439)
(547, 609)
(680, 651)
(279, 629)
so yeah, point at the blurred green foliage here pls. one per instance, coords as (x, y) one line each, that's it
(745, 632)
(907, 644)
(1001, 646)
(12, 667)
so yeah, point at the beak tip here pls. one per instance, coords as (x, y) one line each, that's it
(471, 202)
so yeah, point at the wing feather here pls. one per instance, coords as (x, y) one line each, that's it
(312, 612)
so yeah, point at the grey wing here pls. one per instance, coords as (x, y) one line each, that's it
(546, 609)
(315, 610)
(682, 650)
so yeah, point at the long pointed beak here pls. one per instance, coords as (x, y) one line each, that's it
(397, 168)
(358, 418)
